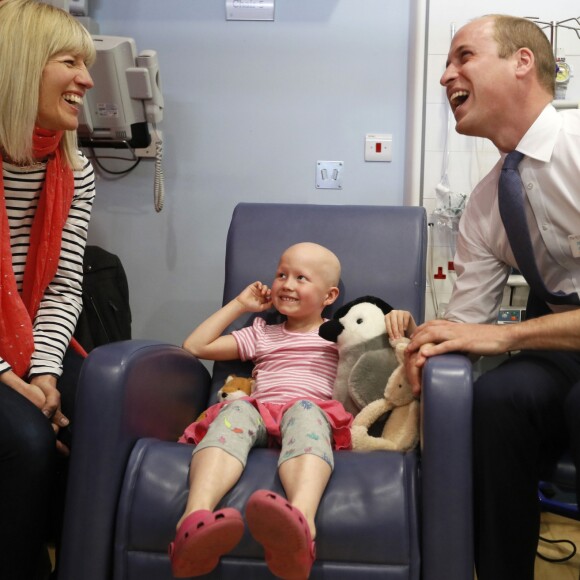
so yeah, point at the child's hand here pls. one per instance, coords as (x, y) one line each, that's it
(256, 297)
(399, 323)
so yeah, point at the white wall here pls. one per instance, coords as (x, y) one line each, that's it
(249, 109)
(471, 158)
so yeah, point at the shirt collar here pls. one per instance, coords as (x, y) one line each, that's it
(540, 139)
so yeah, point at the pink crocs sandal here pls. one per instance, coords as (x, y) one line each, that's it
(202, 538)
(283, 532)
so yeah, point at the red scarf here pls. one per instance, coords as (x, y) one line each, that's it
(17, 312)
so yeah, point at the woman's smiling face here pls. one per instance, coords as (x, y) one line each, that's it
(65, 80)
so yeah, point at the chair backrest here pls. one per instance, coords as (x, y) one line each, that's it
(382, 252)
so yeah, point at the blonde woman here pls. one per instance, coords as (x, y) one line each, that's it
(46, 195)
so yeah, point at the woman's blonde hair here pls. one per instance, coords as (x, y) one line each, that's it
(31, 33)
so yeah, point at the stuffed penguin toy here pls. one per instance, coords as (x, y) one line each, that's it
(365, 357)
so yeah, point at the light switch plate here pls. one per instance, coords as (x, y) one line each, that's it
(379, 147)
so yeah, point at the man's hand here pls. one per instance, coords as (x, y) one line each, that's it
(414, 363)
(446, 336)
(442, 336)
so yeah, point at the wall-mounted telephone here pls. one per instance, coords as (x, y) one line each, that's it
(125, 107)
(153, 99)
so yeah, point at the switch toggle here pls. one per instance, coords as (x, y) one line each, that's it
(379, 147)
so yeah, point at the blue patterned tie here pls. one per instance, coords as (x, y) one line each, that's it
(513, 214)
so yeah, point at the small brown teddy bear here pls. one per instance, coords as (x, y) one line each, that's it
(401, 430)
(233, 388)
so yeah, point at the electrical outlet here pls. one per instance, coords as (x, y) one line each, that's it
(329, 174)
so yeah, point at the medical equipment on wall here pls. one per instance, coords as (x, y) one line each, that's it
(450, 204)
(563, 75)
(553, 26)
(79, 7)
(125, 107)
(563, 69)
(444, 220)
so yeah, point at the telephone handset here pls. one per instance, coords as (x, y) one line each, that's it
(145, 84)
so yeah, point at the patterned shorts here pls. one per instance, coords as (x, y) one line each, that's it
(239, 427)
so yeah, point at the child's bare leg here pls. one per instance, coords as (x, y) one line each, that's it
(305, 466)
(304, 479)
(213, 472)
(305, 474)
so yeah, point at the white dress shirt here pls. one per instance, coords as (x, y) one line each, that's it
(550, 174)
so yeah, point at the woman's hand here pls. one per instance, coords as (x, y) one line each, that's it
(31, 392)
(51, 407)
(256, 297)
(43, 394)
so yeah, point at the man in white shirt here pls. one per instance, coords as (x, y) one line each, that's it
(499, 80)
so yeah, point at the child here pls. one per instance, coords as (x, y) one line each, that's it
(291, 406)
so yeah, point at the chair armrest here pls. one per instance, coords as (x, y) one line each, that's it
(446, 468)
(127, 390)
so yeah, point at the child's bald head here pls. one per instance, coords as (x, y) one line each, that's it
(317, 257)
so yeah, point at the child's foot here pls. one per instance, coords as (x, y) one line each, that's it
(202, 538)
(283, 532)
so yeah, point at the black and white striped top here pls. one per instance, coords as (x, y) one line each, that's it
(61, 305)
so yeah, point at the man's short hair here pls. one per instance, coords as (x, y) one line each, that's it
(512, 33)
